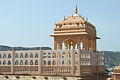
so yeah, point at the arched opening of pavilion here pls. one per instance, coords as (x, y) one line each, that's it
(69, 44)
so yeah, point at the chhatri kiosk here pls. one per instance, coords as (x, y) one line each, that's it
(75, 32)
(74, 54)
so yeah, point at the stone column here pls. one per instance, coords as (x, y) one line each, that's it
(94, 45)
(55, 44)
(85, 44)
(73, 62)
(13, 60)
(79, 61)
(40, 61)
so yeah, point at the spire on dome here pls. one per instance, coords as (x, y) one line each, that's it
(76, 10)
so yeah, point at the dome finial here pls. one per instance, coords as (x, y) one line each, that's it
(76, 10)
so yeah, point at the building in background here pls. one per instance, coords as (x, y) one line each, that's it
(116, 73)
(74, 53)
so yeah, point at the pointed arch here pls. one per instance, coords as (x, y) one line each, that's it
(9, 55)
(31, 62)
(54, 55)
(63, 62)
(31, 55)
(4, 56)
(26, 62)
(44, 62)
(81, 45)
(54, 62)
(70, 43)
(4, 62)
(49, 62)
(26, 55)
(36, 62)
(16, 62)
(21, 62)
(21, 55)
(9, 62)
(36, 55)
(16, 55)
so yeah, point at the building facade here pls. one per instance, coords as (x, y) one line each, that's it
(74, 53)
(116, 73)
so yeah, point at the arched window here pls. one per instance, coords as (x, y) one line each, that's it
(4, 55)
(44, 53)
(54, 55)
(49, 62)
(26, 55)
(36, 55)
(53, 62)
(44, 62)
(0, 56)
(63, 53)
(4, 62)
(16, 55)
(36, 62)
(16, 62)
(9, 55)
(81, 45)
(0, 62)
(9, 63)
(21, 62)
(75, 52)
(31, 55)
(49, 55)
(26, 62)
(31, 62)
(63, 62)
(21, 55)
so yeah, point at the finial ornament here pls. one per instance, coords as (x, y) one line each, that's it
(64, 18)
(76, 10)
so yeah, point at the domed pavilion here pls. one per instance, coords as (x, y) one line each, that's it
(75, 32)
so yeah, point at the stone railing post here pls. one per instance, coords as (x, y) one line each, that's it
(13, 60)
(40, 61)
(79, 61)
(73, 62)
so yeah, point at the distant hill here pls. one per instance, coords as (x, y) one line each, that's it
(8, 48)
(112, 58)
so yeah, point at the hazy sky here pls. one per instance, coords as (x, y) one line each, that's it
(29, 22)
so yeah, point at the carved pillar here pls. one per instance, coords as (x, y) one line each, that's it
(13, 60)
(40, 61)
(85, 43)
(73, 61)
(79, 61)
(55, 43)
(95, 45)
